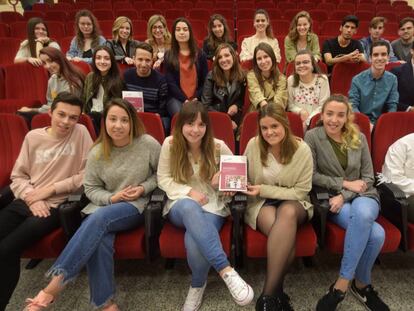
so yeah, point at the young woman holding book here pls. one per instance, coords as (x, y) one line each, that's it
(188, 173)
(280, 175)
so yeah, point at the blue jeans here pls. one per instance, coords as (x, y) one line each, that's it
(363, 238)
(93, 246)
(202, 240)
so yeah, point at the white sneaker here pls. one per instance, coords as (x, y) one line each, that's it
(194, 298)
(241, 291)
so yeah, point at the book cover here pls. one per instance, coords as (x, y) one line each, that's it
(233, 175)
(135, 98)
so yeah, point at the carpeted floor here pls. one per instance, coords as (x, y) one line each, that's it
(143, 286)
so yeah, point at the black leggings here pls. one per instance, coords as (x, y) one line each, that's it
(18, 230)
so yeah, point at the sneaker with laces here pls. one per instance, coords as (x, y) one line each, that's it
(330, 301)
(285, 302)
(267, 303)
(40, 302)
(194, 298)
(241, 291)
(369, 298)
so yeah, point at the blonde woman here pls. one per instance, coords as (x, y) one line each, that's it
(158, 37)
(264, 33)
(280, 173)
(301, 37)
(342, 164)
(122, 44)
(188, 173)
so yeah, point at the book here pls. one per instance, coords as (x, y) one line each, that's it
(233, 175)
(135, 98)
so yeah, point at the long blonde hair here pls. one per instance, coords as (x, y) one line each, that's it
(350, 131)
(118, 24)
(289, 144)
(181, 169)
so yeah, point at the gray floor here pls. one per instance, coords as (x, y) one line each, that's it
(143, 286)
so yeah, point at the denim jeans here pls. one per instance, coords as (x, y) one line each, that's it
(93, 246)
(202, 240)
(363, 238)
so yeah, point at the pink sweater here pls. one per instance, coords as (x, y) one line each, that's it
(45, 160)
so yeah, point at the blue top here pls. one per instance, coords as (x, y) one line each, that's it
(366, 44)
(154, 89)
(369, 95)
(76, 51)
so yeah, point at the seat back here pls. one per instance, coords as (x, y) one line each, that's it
(342, 75)
(43, 120)
(9, 48)
(12, 105)
(13, 129)
(25, 81)
(360, 119)
(389, 128)
(153, 125)
(249, 127)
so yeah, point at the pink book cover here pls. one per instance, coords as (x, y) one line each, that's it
(233, 175)
(135, 98)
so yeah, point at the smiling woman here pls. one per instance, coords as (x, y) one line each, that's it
(266, 84)
(122, 44)
(64, 77)
(101, 84)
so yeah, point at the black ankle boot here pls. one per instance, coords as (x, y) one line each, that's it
(267, 303)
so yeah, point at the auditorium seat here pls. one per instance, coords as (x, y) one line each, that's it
(8, 50)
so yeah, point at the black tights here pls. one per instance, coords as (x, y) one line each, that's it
(280, 225)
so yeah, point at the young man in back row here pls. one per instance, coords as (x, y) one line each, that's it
(343, 48)
(49, 167)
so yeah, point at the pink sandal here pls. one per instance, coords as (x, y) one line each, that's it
(40, 302)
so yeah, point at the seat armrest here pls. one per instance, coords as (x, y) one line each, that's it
(394, 206)
(238, 208)
(70, 213)
(153, 223)
(320, 200)
(391, 190)
(6, 196)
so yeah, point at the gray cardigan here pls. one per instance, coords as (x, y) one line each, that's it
(135, 164)
(328, 172)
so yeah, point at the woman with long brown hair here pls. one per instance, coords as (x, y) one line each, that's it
(87, 38)
(265, 82)
(301, 37)
(185, 67)
(188, 173)
(225, 84)
(218, 33)
(64, 77)
(119, 176)
(280, 173)
(37, 38)
(264, 33)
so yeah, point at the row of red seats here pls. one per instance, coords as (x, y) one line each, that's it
(323, 12)
(171, 238)
(318, 15)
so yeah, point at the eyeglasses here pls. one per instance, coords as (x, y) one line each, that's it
(305, 62)
(157, 27)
